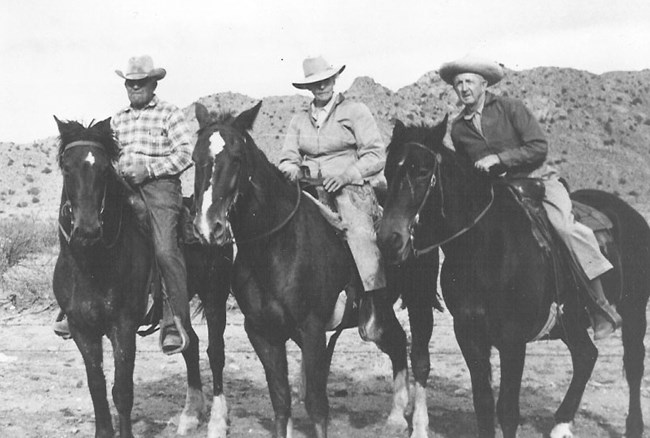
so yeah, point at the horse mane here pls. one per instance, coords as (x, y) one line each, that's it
(100, 132)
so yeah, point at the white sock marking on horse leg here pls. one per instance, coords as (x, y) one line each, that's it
(396, 418)
(562, 430)
(290, 428)
(420, 413)
(218, 425)
(193, 411)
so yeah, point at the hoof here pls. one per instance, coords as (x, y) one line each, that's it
(187, 423)
(396, 422)
(562, 430)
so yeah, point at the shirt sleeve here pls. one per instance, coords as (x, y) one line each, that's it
(534, 147)
(180, 155)
(290, 153)
(371, 148)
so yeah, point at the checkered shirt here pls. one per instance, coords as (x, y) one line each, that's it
(156, 136)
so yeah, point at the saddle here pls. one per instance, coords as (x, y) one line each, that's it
(529, 194)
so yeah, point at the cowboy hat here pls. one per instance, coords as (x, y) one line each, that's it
(140, 67)
(489, 70)
(316, 70)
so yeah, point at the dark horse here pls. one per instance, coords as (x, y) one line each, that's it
(496, 280)
(103, 274)
(290, 268)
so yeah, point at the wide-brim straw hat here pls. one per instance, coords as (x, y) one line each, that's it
(490, 70)
(140, 67)
(316, 70)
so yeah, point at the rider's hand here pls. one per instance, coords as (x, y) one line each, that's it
(290, 171)
(135, 174)
(335, 183)
(485, 163)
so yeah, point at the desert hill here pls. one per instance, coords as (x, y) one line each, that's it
(598, 127)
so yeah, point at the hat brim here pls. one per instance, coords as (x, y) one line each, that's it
(492, 73)
(306, 82)
(156, 73)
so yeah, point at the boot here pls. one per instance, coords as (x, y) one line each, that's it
(604, 318)
(371, 320)
(61, 327)
(173, 337)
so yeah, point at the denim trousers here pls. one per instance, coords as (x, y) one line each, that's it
(164, 198)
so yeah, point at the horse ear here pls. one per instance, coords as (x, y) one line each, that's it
(245, 120)
(202, 114)
(61, 125)
(439, 131)
(104, 124)
(398, 129)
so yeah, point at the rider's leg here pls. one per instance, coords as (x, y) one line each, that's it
(583, 245)
(359, 209)
(164, 199)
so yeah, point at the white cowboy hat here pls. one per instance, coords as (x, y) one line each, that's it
(140, 67)
(316, 70)
(490, 70)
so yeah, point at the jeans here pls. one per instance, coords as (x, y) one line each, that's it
(164, 198)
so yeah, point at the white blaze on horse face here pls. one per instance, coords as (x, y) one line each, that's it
(90, 158)
(203, 225)
(216, 143)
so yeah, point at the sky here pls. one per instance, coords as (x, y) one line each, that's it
(59, 57)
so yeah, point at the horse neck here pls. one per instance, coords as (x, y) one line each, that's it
(268, 202)
(464, 198)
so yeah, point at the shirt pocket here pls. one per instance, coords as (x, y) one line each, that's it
(158, 141)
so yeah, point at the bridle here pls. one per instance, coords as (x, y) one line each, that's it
(256, 187)
(66, 207)
(435, 178)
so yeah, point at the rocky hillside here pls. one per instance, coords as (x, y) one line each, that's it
(598, 126)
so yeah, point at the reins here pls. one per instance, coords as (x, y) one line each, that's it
(256, 187)
(277, 227)
(435, 176)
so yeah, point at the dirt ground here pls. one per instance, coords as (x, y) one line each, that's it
(43, 390)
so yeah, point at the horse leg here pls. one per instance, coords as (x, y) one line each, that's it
(634, 328)
(421, 321)
(123, 340)
(471, 333)
(392, 341)
(214, 304)
(194, 409)
(316, 366)
(274, 361)
(583, 357)
(90, 346)
(512, 357)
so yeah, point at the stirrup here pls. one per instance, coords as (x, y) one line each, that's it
(173, 349)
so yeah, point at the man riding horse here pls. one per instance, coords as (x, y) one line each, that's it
(494, 130)
(155, 149)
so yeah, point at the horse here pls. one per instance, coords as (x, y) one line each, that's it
(496, 280)
(290, 267)
(103, 275)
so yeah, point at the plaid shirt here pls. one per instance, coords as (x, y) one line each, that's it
(156, 136)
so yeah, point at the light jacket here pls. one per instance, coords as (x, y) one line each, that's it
(509, 130)
(348, 140)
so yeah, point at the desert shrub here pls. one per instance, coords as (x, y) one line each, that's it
(21, 237)
(33, 191)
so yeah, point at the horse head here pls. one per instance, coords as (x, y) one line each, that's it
(85, 158)
(412, 172)
(223, 164)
